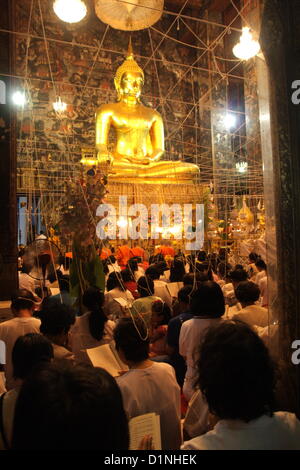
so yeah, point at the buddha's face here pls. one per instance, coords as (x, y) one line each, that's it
(131, 85)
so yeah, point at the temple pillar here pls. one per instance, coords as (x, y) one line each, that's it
(8, 197)
(280, 41)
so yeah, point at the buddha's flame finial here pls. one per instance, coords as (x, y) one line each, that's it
(130, 50)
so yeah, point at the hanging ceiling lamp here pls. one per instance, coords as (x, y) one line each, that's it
(129, 15)
(70, 11)
(59, 106)
(247, 47)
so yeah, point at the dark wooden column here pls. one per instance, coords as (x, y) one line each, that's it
(280, 41)
(8, 197)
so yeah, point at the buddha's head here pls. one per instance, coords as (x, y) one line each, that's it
(129, 78)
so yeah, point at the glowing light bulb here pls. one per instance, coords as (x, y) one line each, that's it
(247, 47)
(59, 106)
(70, 11)
(122, 223)
(19, 98)
(230, 121)
(242, 167)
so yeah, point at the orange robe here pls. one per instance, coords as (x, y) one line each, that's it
(123, 255)
(138, 252)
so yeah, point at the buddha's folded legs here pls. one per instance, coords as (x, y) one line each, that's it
(167, 169)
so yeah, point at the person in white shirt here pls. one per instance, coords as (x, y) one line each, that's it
(29, 351)
(116, 290)
(93, 328)
(56, 321)
(262, 270)
(22, 306)
(264, 295)
(248, 293)
(160, 287)
(148, 387)
(237, 378)
(208, 306)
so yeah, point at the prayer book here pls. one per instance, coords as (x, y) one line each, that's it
(123, 302)
(145, 425)
(174, 287)
(106, 356)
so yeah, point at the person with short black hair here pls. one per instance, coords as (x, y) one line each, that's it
(143, 305)
(235, 277)
(93, 328)
(207, 307)
(236, 375)
(56, 321)
(148, 387)
(22, 307)
(160, 287)
(29, 351)
(129, 282)
(248, 293)
(174, 327)
(70, 407)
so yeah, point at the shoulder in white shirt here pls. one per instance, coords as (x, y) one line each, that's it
(280, 432)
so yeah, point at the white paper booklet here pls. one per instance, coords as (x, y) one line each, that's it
(145, 425)
(106, 356)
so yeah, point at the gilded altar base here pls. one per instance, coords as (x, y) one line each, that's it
(147, 193)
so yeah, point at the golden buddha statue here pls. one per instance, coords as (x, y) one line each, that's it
(139, 134)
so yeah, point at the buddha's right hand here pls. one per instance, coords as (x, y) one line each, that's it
(104, 158)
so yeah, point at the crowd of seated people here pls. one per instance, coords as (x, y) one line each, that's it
(188, 329)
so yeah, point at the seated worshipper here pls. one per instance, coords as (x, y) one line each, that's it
(252, 269)
(160, 287)
(65, 406)
(236, 276)
(26, 281)
(64, 295)
(22, 307)
(161, 316)
(136, 270)
(56, 321)
(205, 269)
(177, 271)
(173, 333)
(237, 377)
(262, 270)
(142, 307)
(93, 328)
(129, 282)
(207, 307)
(29, 351)
(248, 293)
(148, 387)
(116, 290)
(112, 265)
(123, 254)
(264, 296)
(163, 267)
(223, 271)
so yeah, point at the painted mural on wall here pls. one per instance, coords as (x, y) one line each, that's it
(81, 72)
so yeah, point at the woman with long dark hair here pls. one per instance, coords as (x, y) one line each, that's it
(93, 328)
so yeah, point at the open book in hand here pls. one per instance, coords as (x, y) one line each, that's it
(123, 302)
(106, 356)
(145, 425)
